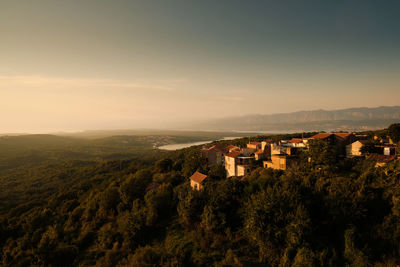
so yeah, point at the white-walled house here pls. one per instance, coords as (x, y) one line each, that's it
(354, 149)
(297, 142)
(197, 180)
(237, 164)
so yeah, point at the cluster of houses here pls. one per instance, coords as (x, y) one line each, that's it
(282, 155)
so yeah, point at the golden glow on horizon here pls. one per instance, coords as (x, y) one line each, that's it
(69, 65)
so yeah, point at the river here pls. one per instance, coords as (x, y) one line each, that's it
(184, 145)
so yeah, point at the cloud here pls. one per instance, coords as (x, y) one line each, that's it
(174, 81)
(229, 98)
(54, 82)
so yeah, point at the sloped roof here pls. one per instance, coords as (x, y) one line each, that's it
(343, 135)
(255, 143)
(296, 140)
(381, 158)
(326, 135)
(231, 147)
(233, 154)
(198, 177)
(321, 135)
(217, 147)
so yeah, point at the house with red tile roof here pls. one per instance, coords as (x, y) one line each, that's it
(280, 162)
(342, 136)
(213, 154)
(297, 142)
(197, 180)
(260, 154)
(237, 164)
(254, 145)
(340, 140)
(232, 148)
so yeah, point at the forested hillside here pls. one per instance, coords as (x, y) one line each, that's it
(139, 210)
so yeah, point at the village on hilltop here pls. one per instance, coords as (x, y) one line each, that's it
(285, 154)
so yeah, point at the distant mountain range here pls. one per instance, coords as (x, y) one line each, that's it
(351, 119)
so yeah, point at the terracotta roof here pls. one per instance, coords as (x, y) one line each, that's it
(296, 140)
(381, 158)
(217, 147)
(325, 135)
(343, 135)
(321, 135)
(230, 147)
(233, 154)
(255, 143)
(198, 177)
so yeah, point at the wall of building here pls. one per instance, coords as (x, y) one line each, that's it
(275, 149)
(247, 151)
(243, 170)
(230, 166)
(277, 162)
(215, 157)
(195, 185)
(266, 147)
(354, 149)
(260, 156)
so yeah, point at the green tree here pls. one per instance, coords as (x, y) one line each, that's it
(159, 204)
(110, 198)
(267, 214)
(323, 153)
(146, 257)
(164, 165)
(135, 186)
(190, 206)
(217, 172)
(133, 226)
(394, 132)
(368, 148)
(47, 245)
(304, 258)
(192, 162)
(354, 256)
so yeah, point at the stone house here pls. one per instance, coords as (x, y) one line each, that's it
(340, 140)
(280, 162)
(297, 142)
(237, 164)
(354, 149)
(213, 154)
(197, 180)
(254, 145)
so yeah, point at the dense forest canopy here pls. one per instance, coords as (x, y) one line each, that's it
(103, 204)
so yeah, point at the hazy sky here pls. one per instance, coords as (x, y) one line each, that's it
(74, 65)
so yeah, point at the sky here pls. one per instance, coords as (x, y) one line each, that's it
(81, 65)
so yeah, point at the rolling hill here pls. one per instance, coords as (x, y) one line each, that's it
(352, 119)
